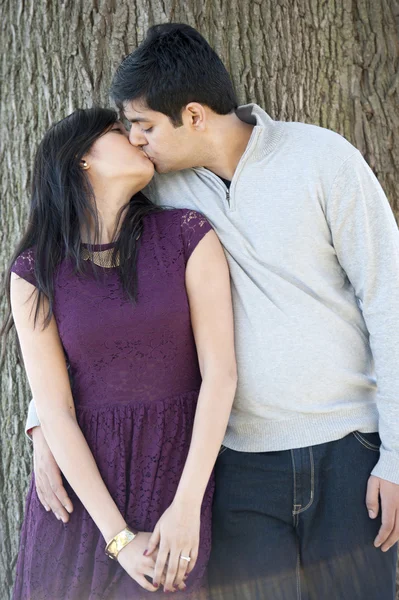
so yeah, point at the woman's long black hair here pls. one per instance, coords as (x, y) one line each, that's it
(63, 205)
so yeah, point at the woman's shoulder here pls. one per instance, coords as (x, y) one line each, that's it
(182, 217)
(24, 265)
(187, 226)
(27, 266)
(26, 257)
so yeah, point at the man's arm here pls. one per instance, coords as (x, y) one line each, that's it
(49, 484)
(366, 240)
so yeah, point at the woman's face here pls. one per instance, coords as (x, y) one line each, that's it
(113, 159)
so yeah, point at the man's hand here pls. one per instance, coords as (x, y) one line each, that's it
(49, 486)
(380, 491)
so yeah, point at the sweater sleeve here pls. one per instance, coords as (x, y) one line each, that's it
(32, 419)
(366, 241)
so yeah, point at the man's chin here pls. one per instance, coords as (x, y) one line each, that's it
(161, 169)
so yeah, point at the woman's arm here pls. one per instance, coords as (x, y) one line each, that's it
(48, 378)
(209, 294)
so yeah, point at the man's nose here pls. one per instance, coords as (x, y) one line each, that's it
(136, 138)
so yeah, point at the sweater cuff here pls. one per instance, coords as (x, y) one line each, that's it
(388, 466)
(32, 420)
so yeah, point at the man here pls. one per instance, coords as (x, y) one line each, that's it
(301, 481)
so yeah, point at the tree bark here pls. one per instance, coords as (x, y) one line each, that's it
(333, 63)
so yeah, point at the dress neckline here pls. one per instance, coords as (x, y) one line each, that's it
(99, 247)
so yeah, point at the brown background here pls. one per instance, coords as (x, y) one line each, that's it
(330, 62)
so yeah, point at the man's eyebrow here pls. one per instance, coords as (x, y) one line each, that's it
(139, 120)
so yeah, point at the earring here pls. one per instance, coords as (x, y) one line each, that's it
(85, 165)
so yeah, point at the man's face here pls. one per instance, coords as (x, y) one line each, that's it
(169, 148)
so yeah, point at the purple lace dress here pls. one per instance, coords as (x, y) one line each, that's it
(135, 382)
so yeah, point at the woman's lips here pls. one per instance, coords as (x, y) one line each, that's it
(146, 155)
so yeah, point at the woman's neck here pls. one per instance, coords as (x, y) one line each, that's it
(108, 204)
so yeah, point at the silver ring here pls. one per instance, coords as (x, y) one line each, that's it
(187, 558)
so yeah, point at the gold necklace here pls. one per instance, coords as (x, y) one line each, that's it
(102, 258)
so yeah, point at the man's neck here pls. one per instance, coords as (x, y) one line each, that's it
(230, 137)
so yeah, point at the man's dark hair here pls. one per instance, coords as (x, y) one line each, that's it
(174, 65)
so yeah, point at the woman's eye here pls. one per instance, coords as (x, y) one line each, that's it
(147, 130)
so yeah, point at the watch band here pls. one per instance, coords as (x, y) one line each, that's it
(119, 541)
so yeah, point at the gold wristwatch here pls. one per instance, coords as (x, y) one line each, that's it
(119, 541)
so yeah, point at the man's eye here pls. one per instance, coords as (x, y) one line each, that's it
(147, 130)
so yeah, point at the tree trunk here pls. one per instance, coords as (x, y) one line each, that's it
(333, 63)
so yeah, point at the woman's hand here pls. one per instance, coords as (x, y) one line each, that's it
(175, 535)
(136, 564)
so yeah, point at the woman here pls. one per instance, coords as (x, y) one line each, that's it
(116, 290)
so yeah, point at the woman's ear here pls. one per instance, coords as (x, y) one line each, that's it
(84, 164)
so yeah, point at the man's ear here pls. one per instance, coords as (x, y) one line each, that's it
(195, 116)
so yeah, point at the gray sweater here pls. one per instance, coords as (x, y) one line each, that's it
(313, 250)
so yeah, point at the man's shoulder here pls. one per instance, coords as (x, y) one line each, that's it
(314, 139)
(303, 138)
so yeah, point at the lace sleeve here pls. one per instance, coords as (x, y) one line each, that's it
(194, 226)
(24, 266)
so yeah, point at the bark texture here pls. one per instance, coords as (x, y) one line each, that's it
(334, 63)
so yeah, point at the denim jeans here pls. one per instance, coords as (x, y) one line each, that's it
(293, 525)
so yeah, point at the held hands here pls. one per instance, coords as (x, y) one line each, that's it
(386, 494)
(139, 566)
(132, 559)
(176, 535)
(53, 496)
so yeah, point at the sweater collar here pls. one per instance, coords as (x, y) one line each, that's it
(269, 131)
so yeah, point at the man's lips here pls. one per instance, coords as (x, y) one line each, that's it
(149, 157)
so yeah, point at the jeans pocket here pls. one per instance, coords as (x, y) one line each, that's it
(222, 449)
(371, 441)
